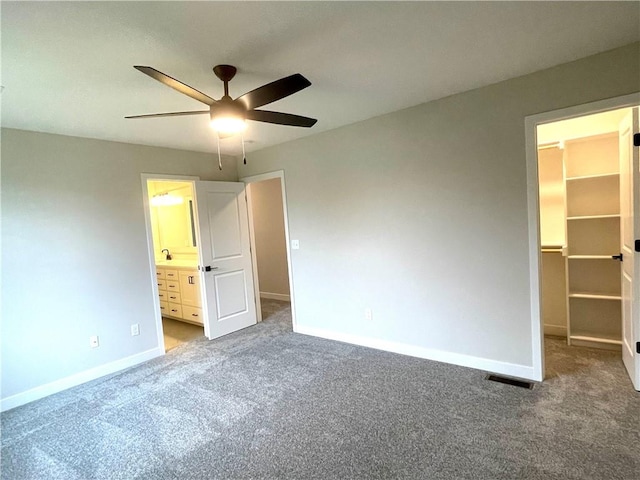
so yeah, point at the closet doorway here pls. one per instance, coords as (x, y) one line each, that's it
(586, 200)
(270, 245)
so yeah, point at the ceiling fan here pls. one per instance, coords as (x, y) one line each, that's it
(228, 115)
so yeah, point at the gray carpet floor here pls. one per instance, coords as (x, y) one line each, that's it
(266, 403)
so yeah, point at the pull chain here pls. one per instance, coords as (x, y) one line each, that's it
(219, 157)
(244, 156)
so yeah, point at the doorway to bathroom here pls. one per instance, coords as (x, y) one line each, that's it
(208, 279)
(175, 256)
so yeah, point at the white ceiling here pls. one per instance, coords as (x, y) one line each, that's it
(67, 67)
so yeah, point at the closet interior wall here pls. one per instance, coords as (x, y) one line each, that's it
(553, 239)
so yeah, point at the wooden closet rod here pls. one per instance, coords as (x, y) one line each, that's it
(559, 145)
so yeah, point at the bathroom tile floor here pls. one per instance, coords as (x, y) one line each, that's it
(177, 333)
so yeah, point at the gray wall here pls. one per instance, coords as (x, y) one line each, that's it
(421, 215)
(271, 247)
(74, 252)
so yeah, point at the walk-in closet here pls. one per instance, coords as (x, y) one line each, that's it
(580, 226)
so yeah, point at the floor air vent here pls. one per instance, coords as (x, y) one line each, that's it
(510, 381)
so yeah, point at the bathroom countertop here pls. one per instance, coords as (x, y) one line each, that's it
(177, 263)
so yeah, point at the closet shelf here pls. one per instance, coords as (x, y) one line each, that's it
(589, 338)
(595, 296)
(593, 217)
(588, 177)
(588, 222)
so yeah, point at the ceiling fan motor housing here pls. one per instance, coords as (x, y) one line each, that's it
(228, 107)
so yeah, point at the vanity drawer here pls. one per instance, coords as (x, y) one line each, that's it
(164, 308)
(162, 284)
(171, 274)
(175, 310)
(192, 314)
(173, 297)
(163, 296)
(173, 285)
(160, 273)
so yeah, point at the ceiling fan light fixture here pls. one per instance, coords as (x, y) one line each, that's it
(227, 116)
(228, 124)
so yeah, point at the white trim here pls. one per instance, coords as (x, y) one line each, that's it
(78, 379)
(144, 178)
(531, 122)
(276, 296)
(533, 201)
(285, 210)
(254, 253)
(493, 366)
(263, 176)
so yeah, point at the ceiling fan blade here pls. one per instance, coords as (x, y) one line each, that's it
(274, 91)
(170, 114)
(176, 84)
(280, 118)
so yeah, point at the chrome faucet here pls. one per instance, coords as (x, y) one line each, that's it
(168, 255)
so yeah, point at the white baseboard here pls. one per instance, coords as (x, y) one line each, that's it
(77, 379)
(493, 366)
(555, 330)
(275, 296)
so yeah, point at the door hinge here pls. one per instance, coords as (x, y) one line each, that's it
(636, 139)
(617, 257)
(637, 246)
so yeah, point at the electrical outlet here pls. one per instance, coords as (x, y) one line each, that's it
(94, 342)
(135, 329)
(368, 314)
(295, 244)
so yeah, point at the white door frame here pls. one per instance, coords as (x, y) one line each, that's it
(259, 178)
(152, 259)
(531, 122)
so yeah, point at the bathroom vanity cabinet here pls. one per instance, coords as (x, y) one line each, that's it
(179, 293)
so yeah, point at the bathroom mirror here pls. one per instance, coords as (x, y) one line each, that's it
(172, 212)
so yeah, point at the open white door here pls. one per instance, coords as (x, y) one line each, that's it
(629, 232)
(226, 275)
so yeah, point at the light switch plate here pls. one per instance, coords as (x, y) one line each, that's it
(295, 244)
